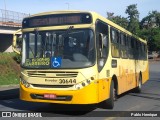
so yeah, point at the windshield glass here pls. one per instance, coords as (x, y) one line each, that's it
(58, 49)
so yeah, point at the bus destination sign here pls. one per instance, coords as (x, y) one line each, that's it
(57, 19)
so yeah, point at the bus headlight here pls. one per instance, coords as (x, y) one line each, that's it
(88, 81)
(25, 83)
(77, 86)
(83, 84)
(22, 81)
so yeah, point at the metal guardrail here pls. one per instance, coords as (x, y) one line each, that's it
(11, 18)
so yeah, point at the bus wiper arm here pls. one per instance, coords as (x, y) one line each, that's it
(32, 51)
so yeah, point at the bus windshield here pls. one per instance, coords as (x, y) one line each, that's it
(58, 49)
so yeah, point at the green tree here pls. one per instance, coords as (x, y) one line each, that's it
(121, 21)
(152, 20)
(150, 30)
(156, 38)
(152, 36)
(133, 17)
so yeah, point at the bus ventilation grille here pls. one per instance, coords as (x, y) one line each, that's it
(52, 74)
(52, 86)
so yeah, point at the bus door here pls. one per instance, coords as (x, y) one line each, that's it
(102, 55)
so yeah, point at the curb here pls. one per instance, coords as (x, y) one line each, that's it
(9, 92)
(153, 61)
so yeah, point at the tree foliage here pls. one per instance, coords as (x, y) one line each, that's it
(151, 20)
(133, 17)
(122, 21)
(152, 36)
(148, 28)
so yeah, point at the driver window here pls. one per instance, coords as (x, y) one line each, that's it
(102, 43)
(102, 39)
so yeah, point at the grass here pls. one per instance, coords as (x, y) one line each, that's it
(9, 69)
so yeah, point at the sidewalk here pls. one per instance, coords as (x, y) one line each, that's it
(9, 92)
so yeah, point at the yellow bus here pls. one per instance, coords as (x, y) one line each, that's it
(79, 57)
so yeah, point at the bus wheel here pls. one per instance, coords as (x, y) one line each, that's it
(109, 103)
(139, 87)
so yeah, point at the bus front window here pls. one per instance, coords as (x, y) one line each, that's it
(73, 49)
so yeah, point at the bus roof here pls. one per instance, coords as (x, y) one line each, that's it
(59, 12)
(95, 17)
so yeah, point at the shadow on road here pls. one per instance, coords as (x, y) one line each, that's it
(51, 109)
(71, 110)
(9, 94)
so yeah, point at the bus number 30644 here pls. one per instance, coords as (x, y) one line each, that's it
(67, 81)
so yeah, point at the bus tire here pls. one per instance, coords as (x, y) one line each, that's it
(109, 103)
(139, 87)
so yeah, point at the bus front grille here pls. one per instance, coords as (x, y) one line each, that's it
(52, 74)
(52, 86)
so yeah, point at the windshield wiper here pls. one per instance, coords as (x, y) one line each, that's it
(32, 51)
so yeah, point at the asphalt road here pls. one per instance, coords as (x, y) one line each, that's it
(148, 100)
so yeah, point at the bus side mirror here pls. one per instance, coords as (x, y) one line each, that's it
(17, 42)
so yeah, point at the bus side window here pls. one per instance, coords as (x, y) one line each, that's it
(123, 46)
(130, 49)
(141, 50)
(132, 42)
(114, 36)
(144, 51)
(115, 43)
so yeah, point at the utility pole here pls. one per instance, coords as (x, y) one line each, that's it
(5, 4)
(5, 11)
(68, 5)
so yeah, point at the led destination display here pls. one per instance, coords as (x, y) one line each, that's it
(58, 19)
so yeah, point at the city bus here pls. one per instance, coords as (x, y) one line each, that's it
(79, 57)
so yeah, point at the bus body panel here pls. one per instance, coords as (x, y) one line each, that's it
(86, 95)
(104, 87)
(128, 74)
(145, 73)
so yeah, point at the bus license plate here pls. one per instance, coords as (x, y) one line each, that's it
(49, 96)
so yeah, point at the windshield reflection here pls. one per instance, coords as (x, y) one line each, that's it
(72, 49)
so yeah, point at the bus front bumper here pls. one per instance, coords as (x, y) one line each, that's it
(86, 95)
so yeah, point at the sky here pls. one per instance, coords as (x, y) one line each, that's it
(118, 7)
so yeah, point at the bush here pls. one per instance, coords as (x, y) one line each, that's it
(9, 69)
(17, 58)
